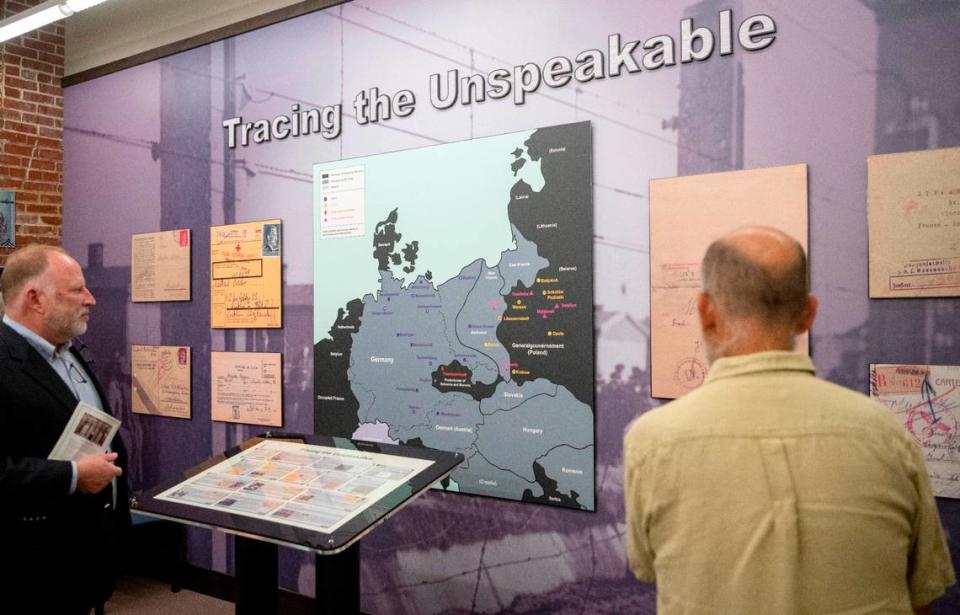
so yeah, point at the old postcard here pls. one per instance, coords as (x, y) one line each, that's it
(160, 380)
(160, 266)
(686, 215)
(926, 398)
(246, 387)
(245, 270)
(914, 223)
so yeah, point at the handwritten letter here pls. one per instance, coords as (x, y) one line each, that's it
(160, 266)
(245, 276)
(927, 399)
(160, 380)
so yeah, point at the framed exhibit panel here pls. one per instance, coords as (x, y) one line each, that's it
(686, 215)
(246, 275)
(453, 308)
(8, 219)
(304, 491)
(926, 399)
(160, 380)
(160, 266)
(247, 387)
(914, 221)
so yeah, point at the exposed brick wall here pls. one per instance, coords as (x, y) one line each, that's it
(31, 128)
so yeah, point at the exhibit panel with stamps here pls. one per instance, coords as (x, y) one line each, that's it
(914, 223)
(246, 275)
(926, 398)
(311, 491)
(160, 266)
(160, 380)
(686, 215)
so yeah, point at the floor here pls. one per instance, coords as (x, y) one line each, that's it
(142, 596)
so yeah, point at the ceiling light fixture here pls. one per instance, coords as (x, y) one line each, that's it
(41, 15)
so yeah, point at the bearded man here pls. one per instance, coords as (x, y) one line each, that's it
(61, 522)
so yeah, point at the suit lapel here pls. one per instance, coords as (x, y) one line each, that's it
(37, 369)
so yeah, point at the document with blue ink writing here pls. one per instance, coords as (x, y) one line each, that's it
(927, 399)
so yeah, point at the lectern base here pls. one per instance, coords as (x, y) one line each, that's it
(337, 579)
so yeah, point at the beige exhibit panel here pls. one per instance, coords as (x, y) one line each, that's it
(926, 398)
(914, 221)
(246, 387)
(686, 215)
(160, 266)
(245, 276)
(160, 380)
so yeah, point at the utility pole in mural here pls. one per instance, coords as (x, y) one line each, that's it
(184, 155)
(709, 122)
(229, 157)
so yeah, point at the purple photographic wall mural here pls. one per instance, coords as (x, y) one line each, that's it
(149, 149)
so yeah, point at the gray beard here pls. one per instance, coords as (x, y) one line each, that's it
(67, 328)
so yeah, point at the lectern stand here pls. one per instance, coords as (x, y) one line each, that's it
(306, 492)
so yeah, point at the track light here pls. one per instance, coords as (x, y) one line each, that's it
(41, 15)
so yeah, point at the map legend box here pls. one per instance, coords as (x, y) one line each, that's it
(341, 202)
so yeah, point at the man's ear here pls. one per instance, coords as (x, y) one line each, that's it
(34, 300)
(707, 311)
(809, 314)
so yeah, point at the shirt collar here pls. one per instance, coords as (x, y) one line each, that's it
(770, 361)
(47, 350)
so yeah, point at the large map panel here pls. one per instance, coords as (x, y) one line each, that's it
(453, 308)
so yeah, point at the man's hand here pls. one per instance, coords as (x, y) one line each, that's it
(94, 472)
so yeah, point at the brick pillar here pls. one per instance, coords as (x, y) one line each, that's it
(31, 128)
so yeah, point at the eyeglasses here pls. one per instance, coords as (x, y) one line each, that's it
(75, 374)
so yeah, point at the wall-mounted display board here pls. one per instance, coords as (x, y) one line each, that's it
(8, 219)
(914, 220)
(926, 398)
(686, 215)
(453, 308)
(160, 380)
(246, 387)
(245, 276)
(160, 266)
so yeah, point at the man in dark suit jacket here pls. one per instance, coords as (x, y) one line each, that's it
(61, 522)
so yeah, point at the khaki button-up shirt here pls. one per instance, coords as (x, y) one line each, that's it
(767, 490)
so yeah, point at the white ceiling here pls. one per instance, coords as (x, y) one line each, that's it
(119, 29)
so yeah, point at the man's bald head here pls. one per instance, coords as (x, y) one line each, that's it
(758, 273)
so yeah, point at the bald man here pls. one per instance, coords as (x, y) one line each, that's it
(60, 521)
(768, 490)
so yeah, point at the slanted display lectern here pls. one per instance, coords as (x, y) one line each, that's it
(314, 493)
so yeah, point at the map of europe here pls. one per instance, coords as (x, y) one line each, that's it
(453, 308)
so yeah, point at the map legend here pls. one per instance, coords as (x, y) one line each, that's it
(341, 202)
